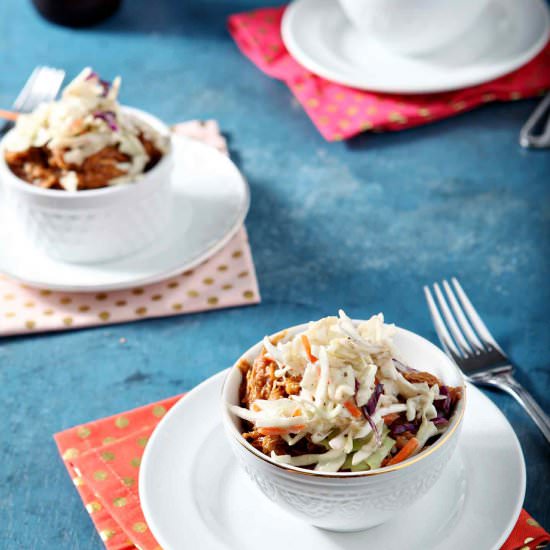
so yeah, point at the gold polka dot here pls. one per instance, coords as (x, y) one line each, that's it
(192, 293)
(137, 291)
(243, 274)
(128, 481)
(352, 110)
(515, 95)
(121, 422)
(331, 108)
(109, 439)
(187, 273)
(339, 96)
(158, 411)
(227, 287)
(312, 102)
(141, 310)
(371, 110)
(173, 284)
(156, 297)
(100, 475)
(208, 281)
(135, 462)
(337, 137)
(237, 254)
(142, 441)
(10, 314)
(213, 300)
(101, 296)
(248, 294)
(29, 304)
(9, 297)
(528, 540)
(30, 324)
(45, 292)
(84, 308)
(177, 307)
(323, 120)
(65, 300)
(532, 522)
(365, 125)
(423, 111)
(104, 315)
(458, 105)
(78, 481)
(525, 548)
(488, 97)
(70, 453)
(107, 456)
(67, 321)
(48, 312)
(83, 432)
(397, 117)
(119, 502)
(139, 527)
(222, 267)
(120, 303)
(344, 124)
(93, 506)
(107, 534)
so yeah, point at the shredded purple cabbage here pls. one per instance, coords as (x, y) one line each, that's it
(370, 407)
(93, 74)
(407, 427)
(402, 367)
(443, 406)
(440, 421)
(109, 117)
(104, 83)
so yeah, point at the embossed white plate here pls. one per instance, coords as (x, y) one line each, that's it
(506, 36)
(194, 495)
(210, 202)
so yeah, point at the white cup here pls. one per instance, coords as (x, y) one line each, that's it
(413, 26)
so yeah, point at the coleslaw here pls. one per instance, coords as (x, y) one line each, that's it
(336, 398)
(86, 123)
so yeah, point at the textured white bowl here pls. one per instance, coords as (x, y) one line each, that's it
(349, 501)
(94, 225)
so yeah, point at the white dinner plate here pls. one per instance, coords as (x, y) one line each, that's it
(506, 36)
(210, 202)
(195, 495)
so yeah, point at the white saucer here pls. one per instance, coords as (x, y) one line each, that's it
(210, 202)
(506, 36)
(194, 494)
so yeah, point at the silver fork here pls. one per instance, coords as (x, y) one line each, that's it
(42, 86)
(468, 342)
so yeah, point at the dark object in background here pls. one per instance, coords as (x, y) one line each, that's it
(76, 13)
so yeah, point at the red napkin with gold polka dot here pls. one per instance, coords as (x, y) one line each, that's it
(103, 459)
(340, 112)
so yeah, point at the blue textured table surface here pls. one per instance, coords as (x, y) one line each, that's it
(359, 225)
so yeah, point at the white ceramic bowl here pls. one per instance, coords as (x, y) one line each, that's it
(413, 26)
(349, 501)
(93, 225)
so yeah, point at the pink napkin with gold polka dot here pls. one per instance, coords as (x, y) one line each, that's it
(103, 460)
(340, 112)
(227, 279)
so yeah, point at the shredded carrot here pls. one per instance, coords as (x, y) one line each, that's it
(353, 409)
(280, 431)
(390, 418)
(8, 115)
(307, 347)
(297, 412)
(255, 407)
(405, 452)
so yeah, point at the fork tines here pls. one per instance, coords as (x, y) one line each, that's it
(459, 327)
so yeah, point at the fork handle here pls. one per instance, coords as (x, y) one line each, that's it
(505, 381)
